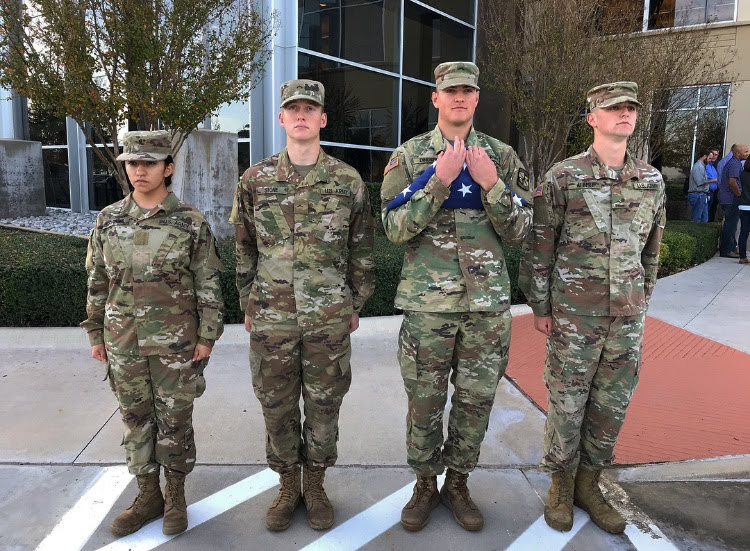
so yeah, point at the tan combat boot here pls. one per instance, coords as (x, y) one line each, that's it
(319, 509)
(416, 514)
(175, 509)
(280, 513)
(148, 504)
(588, 496)
(558, 511)
(455, 495)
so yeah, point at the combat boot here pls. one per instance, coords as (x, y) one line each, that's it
(588, 496)
(455, 495)
(416, 514)
(319, 509)
(558, 511)
(148, 504)
(175, 508)
(280, 513)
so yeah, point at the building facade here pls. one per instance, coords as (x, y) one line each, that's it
(375, 58)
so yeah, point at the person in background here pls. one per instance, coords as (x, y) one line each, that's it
(712, 176)
(743, 209)
(698, 189)
(729, 192)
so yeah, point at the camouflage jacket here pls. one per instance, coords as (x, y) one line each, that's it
(153, 280)
(454, 258)
(594, 248)
(304, 246)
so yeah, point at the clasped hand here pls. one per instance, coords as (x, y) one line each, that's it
(451, 161)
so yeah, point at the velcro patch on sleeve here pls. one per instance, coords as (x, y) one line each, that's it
(539, 191)
(393, 163)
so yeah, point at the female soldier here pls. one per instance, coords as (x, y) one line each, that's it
(154, 311)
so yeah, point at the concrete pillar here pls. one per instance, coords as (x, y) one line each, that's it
(206, 175)
(21, 179)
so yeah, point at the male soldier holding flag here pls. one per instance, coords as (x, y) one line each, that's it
(447, 195)
(588, 276)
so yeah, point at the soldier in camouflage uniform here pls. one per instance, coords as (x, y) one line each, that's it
(588, 276)
(453, 206)
(154, 311)
(304, 230)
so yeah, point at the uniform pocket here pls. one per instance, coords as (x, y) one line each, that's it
(408, 349)
(270, 225)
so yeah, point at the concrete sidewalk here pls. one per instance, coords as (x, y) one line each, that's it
(61, 433)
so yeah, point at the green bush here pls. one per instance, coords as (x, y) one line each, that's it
(686, 244)
(43, 279)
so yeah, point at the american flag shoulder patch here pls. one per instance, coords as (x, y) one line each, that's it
(391, 164)
(539, 191)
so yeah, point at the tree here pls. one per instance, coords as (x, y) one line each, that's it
(543, 55)
(158, 63)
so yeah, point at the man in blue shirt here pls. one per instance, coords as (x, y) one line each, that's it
(713, 187)
(729, 192)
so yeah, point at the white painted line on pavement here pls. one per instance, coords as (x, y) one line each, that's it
(77, 525)
(540, 537)
(150, 536)
(367, 525)
(643, 541)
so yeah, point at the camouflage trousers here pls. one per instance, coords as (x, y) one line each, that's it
(470, 349)
(288, 361)
(156, 394)
(591, 372)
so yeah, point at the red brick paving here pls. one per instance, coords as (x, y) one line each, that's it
(692, 401)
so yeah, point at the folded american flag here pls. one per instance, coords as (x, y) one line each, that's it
(465, 193)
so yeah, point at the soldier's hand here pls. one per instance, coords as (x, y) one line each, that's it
(98, 352)
(481, 167)
(543, 324)
(248, 323)
(450, 162)
(354, 322)
(201, 352)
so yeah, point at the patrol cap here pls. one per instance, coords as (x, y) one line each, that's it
(456, 73)
(613, 93)
(146, 145)
(302, 89)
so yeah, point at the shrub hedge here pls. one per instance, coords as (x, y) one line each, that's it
(43, 279)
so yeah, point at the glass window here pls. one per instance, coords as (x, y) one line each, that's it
(359, 103)
(693, 120)
(365, 31)
(45, 127)
(56, 176)
(243, 158)
(233, 117)
(677, 13)
(103, 187)
(368, 162)
(418, 115)
(461, 10)
(430, 39)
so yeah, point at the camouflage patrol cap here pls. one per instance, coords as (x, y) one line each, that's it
(613, 93)
(456, 73)
(145, 145)
(311, 90)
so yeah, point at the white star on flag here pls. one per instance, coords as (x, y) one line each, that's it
(407, 191)
(464, 189)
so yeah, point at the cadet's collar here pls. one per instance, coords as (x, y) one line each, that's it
(438, 142)
(600, 170)
(132, 209)
(285, 170)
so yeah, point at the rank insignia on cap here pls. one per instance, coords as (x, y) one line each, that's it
(539, 191)
(391, 164)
